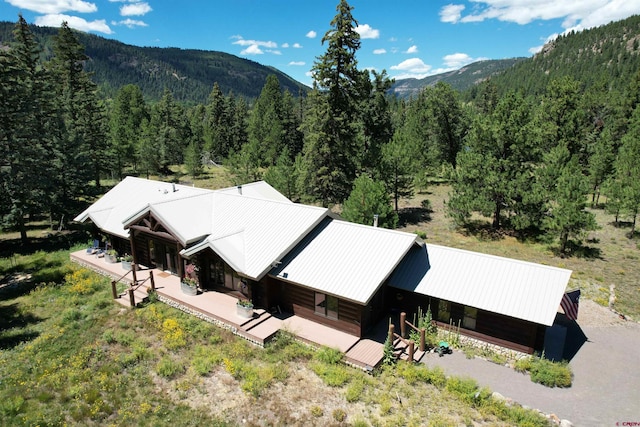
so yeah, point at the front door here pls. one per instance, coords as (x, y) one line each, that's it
(167, 256)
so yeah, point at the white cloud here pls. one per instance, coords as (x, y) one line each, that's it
(412, 49)
(243, 42)
(379, 51)
(451, 13)
(311, 34)
(253, 49)
(457, 60)
(55, 20)
(576, 14)
(54, 6)
(366, 32)
(297, 46)
(411, 68)
(131, 23)
(297, 63)
(135, 9)
(284, 45)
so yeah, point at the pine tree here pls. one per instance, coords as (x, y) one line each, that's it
(367, 199)
(334, 142)
(81, 151)
(567, 216)
(28, 126)
(128, 112)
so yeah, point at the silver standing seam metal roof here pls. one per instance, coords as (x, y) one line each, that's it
(344, 259)
(515, 288)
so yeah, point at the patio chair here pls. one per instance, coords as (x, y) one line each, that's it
(93, 249)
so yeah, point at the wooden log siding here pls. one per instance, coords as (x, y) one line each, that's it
(301, 302)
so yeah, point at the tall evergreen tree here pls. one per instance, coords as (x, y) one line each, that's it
(80, 154)
(28, 126)
(336, 148)
(627, 171)
(266, 127)
(495, 170)
(128, 112)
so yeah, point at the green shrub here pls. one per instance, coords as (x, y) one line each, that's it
(316, 411)
(354, 390)
(168, 368)
(332, 375)
(546, 372)
(551, 374)
(330, 356)
(464, 388)
(339, 415)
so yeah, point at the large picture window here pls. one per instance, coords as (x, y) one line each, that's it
(326, 305)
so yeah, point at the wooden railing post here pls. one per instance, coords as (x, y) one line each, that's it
(153, 282)
(132, 298)
(133, 271)
(391, 328)
(411, 351)
(403, 324)
(423, 339)
(114, 291)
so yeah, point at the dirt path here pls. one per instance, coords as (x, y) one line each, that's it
(605, 388)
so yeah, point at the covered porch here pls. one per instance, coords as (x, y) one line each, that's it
(220, 308)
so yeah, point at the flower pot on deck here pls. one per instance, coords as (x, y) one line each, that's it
(126, 265)
(188, 289)
(111, 259)
(244, 310)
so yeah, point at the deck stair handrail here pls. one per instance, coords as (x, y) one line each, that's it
(403, 330)
(409, 343)
(133, 285)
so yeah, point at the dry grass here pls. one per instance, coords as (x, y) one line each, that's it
(608, 256)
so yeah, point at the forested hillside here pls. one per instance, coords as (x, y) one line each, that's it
(608, 55)
(188, 74)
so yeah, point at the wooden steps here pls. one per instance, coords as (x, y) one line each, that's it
(259, 316)
(139, 296)
(401, 351)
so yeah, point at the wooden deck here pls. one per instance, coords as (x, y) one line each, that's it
(220, 308)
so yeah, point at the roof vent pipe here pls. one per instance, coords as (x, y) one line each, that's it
(240, 190)
(375, 220)
(173, 187)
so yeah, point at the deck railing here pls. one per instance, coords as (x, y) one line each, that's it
(410, 345)
(133, 285)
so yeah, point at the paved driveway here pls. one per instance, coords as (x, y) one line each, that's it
(606, 385)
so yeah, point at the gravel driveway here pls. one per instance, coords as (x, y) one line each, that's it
(606, 385)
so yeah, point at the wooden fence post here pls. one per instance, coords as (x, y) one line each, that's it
(411, 350)
(423, 339)
(114, 291)
(403, 324)
(133, 271)
(152, 280)
(132, 298)
(391, 328)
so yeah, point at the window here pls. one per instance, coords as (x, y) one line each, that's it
(444, 311)
(321, 304)
(326, 305)
(470, 316)
(332, 307)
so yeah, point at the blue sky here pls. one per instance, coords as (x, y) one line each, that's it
(408, 38)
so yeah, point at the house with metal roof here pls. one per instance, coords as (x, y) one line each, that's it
(290, 257)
